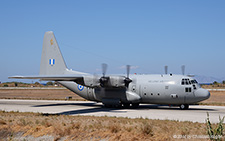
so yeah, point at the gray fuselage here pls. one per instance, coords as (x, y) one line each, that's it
(154, 89)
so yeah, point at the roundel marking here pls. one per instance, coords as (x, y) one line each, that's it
(80, 87)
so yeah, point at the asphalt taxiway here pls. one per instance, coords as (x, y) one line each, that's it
(196, 113)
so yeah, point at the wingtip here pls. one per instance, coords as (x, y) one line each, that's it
(15, 77)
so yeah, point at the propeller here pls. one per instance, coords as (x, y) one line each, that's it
(104, 80)
(127, 80)
(166, 69)
(183, 69)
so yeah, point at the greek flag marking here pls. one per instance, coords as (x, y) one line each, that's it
(80, 87)
(51, 62)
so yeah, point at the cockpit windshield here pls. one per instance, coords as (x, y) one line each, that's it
(187, 81)
(195, 84)
(194, 81)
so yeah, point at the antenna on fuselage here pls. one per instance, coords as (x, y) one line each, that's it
(166, 69)
(183, 69)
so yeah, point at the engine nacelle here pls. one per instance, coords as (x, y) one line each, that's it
(91, 81)
(116, 81)
(111, 81)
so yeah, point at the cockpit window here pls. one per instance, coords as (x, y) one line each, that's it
(195, 84)
(194, 81)
(186, 82)
(182, 82)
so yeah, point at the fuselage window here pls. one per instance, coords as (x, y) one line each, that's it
(133, 88)
(188, 90)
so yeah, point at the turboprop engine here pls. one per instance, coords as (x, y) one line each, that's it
(107, 81)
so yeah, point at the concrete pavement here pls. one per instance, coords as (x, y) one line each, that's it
(196, 113)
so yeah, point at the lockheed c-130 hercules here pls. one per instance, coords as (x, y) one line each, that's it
(117, 90)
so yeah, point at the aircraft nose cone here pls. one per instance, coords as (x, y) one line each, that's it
(202, 94)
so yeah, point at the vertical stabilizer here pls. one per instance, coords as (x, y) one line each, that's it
(52, 62)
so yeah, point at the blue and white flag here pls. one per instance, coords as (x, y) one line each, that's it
(52, 61)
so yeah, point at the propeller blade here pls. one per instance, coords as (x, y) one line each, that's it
(166, 69)
(104, 69)
(183, 69)
(127, 80)
(104, 80)
(128, 70)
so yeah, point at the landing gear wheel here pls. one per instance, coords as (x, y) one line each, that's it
(184, 106)
(107, 105)
(112, 106)
(118, 106)
(126, 105)
(135, 105)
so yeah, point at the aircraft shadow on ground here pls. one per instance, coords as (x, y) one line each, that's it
(100, 108)
(91, 110)
(96, 108)
(67, 104)
(166, 107)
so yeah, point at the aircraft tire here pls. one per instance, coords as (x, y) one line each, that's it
(112, 106)
(184, 106)
(126, 105)
(107, 105)
(135, 105)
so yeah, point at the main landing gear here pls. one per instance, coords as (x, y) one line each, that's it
(184, 106)
(132, 105)
(123, 105)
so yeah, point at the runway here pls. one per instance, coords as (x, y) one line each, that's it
(196, 113)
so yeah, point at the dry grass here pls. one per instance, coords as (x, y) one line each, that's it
(93, 128)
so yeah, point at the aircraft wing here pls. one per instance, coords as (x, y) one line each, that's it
(50, 77)
(82, 79)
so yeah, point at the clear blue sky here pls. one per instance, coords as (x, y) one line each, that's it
(147, 34)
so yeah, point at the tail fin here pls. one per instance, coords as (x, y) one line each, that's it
(52, 62)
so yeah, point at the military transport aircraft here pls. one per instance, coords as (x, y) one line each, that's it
(117, 90)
